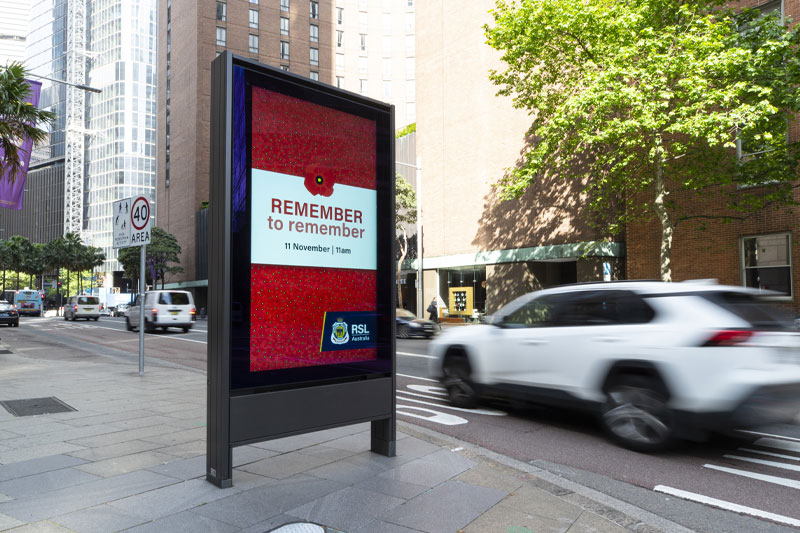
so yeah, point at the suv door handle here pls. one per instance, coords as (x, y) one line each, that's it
(534, 342)
(608, 339)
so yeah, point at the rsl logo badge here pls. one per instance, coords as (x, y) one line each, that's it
(339, 333)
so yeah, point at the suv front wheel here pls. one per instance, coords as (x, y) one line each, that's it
(636, 414)
(460, 390)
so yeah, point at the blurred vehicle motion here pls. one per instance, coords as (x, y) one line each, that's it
(119, 310)
(408, 325)
(656, 361)
(8, 315)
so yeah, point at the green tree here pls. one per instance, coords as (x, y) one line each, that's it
(5, 260)
(162, 250)
(18, 119)
(35, 264)
(405, 214)
(643, 100)
(19, 250)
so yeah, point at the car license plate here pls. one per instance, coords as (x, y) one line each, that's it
(174, 312)
(88, 309)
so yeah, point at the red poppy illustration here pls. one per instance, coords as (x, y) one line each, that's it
(319, 180)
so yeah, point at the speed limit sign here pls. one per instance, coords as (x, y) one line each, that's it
(131, 222)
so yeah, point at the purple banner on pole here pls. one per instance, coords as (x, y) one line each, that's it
(11, 193)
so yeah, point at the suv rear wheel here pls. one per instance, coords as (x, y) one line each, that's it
(460, 390)
(636, 413)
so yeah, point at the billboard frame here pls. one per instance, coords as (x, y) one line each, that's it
(236, 416)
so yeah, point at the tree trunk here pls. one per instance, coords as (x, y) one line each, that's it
(663, 215)
(403, 252)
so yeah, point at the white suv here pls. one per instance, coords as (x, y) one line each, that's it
(163, 309)
(655, 360)
(87, 307)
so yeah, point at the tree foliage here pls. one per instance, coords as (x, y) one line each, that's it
(18, 118)
(162, 250)
(644, 100)
(405, 214)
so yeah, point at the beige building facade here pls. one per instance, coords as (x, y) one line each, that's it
(480, 252)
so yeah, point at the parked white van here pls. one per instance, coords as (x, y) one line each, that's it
(87, 307)
(163, 309)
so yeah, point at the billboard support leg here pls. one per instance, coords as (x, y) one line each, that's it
(383, 437)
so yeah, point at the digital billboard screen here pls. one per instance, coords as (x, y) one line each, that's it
(311, 236)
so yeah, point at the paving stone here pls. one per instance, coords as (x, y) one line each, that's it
(115, 450)
(44, 526)
(507, 519)
(7, 435)
(378, 526)
(486, 475)
(37, 466)
(178, 437)
(6, 522)
(347, 472)
(285, 465)
(142, 421)
(37, 452)
(463, 503)
(346, 509)
(126, 463)
(541, 503)
(186, 450)
(126, 435)
(270, 524)
(333, 454)
(591, 523)
(243, 455)
(392, 487)
(171, 499)
(257, 505)
(412, 446)
(357, 443)
(45, 482)
(430, 473)
(297, 442)
(100, 519)
(68, 500)
(183, 469)
(246, 481)
(185, 522)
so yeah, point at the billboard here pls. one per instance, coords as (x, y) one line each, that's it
(11, 192)
(301, 284)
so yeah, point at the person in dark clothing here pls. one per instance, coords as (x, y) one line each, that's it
(434, 311)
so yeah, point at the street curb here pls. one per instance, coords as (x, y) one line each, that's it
(612, 509)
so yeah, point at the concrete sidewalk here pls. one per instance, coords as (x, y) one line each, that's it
(131, 456)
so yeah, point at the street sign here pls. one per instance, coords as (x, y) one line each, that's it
(131, 222)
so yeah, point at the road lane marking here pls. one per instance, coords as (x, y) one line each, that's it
(794, 468)
(779, 444)
(149, 335)
(771, 454)
(427, 389)
(416, 355)
(489, 412)
(728, 506)
(417, 377)
(768, 435)
(435, 416)
(761, 477)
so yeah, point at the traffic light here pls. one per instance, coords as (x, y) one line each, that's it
(59, 284)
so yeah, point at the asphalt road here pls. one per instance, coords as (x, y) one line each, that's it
(751, 473)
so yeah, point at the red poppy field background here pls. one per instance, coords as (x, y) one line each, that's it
(295, 137)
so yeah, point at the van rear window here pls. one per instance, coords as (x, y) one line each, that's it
(88, 300)
(173, 298)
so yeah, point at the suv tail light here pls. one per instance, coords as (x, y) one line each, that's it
(729, 337)
(193, 312)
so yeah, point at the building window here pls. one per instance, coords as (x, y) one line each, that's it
(314, 75)
(313, 9)
(386, 46)
(363, 39)
(387, 23)
(313, 33)
(339, 38)
(410, 68)
(339, 15)
(410, 3)
(410, 45)
(285, 7)
(284, 50)
(339, 61)
(410, 91)
(253, 44)
(222, 11)
(254, 18)
(285, 68)
(363, 4)
(387, 89)
(284, 26)
(313, 56)
(409, 22)
(254, 2)
(221, 36)
(387, 68)
(363, 66)
(340, 82)
(363, 21)
(362, 86)
(766, 263)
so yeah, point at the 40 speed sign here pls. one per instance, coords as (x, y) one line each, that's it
(131, 222)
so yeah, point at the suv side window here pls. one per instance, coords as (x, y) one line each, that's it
(536, 313)
(163, 298)
(602, 308)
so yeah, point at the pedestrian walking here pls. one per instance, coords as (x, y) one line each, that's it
(434, 311)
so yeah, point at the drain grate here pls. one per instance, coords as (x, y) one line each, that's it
(36, 406)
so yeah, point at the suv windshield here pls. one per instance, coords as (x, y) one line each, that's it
(758, 312)
(88, 300)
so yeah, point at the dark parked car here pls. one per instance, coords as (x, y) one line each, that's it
(8, 315)
(408, 325)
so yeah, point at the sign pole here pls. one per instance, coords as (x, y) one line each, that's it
(142, 253)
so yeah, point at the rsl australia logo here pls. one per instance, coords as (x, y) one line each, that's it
(339, 333)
